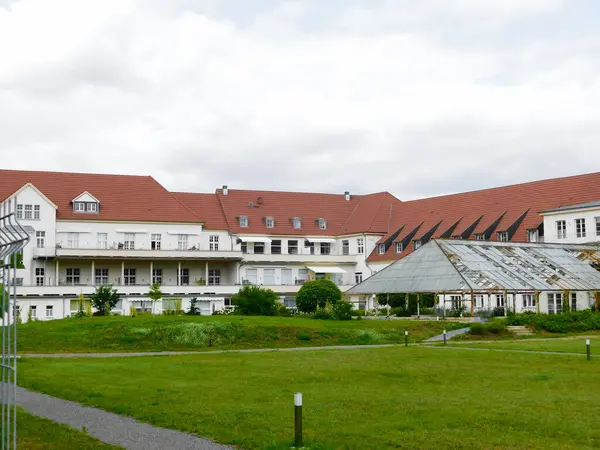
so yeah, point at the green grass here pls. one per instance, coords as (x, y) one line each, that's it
(385, 398)
(42, 434)
(570, 345)
(127, 334)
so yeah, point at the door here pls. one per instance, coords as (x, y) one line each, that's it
(286, 277)
(251, 277)
(269, 277)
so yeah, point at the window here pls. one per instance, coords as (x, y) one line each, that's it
(259, 248)
(157, 276)
(528, 301)
(399, 247)
(39, 276)
(456, 301)
(561, 229)
(286, 277)
(33, 309)
(182, 242)
(293, 247)
(479, 301)
(500, 300)
(129, 243)
(101, 277)
(214, 277)
(381, 249)
(269, 277)
(597, 226)
(244, 247)
(227, 302)
(20, 212)
(102, 240)
(49, 311)
(322, 224)
(360, 245)
(418, 244)
(276, 247)
(73, 277)
(573, 301)
(270, 222)
(502, 236)
(358, 277)
(79, 207)
(345, 247)
(302, 276)
(36, 212)
(92, 207)
(243, 221)
(184, 278)
(73, 240)
(326, 248)
(580, 227)
(554, 303)
(155, 241)
(40, 239)
(28, 212)
(532, 236)
(479, 237)
(289, 302)
(17, 282)
(129, 277)
(296, 222)
(251, 276)
(310, 246)
(213, 243)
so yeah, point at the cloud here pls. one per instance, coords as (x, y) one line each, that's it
(299, 95)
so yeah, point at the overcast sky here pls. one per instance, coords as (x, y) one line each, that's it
(417, 97)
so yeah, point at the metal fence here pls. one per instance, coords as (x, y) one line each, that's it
(13, 238)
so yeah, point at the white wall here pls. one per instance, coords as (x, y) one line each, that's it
(590, 215)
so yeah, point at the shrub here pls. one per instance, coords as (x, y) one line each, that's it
(255, 301)
(132, 311)
(322, 314)
(342, 310)
(194, 310)
(400, 312)
(496, 327)
(478, 329)
(317, 294)
(369, 337)
(282, 311)
(304, 336)
(576, 321)
(104, 299)
(29, 315)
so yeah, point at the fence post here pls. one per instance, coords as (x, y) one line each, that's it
(406, 338)
(445, 338)
(298, 419)
(588, 349)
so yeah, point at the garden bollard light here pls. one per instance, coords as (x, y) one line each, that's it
(588, 349)
(445, 338)
(210, 342)
(406, 338)
(298, 419)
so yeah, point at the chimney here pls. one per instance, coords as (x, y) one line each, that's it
(347, 194)
(225, 189)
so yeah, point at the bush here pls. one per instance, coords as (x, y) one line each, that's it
(323, 314)
(496, 327)
(194, 310)
(342, 310)
(282, 311)
(255, 301)
(400, 312)
(104, 299)
(357, 313)
(317, 294)
(304, 336)
(132, 311)
(577, 321)
(478, 329)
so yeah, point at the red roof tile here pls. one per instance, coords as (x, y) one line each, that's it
(122, 197)
(206, 206)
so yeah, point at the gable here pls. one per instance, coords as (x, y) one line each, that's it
(86, 197)
(29, 192)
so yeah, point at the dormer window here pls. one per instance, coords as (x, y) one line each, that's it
(381, 249)
(243, 221)
(86, 203)
(322, 224)
(399, 247)
(418, 244)
(479, 237)
(270, 222)
(297, 222)
(502, 236)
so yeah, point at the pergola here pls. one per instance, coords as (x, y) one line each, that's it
(460, 267)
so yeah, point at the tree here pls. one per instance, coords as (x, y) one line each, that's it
(104, 296)
(16, 261)
(194, 310)
(255, 301)
(155, 294)
(317, 294)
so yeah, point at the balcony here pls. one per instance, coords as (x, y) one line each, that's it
(44, 252)
(141, 253)
(300, 258)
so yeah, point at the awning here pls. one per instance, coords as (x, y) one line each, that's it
(326, 269)
(262, 239)
(321, 240)
(132, 231)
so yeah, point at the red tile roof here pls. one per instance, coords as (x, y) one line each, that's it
(122, 197)
(206, 206)
(515, 200)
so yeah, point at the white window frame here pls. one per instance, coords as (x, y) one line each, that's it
(532, 236)
(528, 301)
(360, 246)
(101, 276)
(49, 311)
(500, 300)
(358, 277)
(28, 212)
(73, 276)
(102, 240)
(293, 247)
(36, 212)
(92, 207)
(157, 275)
(399, 247)
(129, 276)
(580, 230)
(79, 207)
(39, 276)
(561, 229)
(213, 243)
(33, 309)
(40, 238)
(381, 249)
(573, 301)
(555, 303)
(129, 241)
(296, 223)
(156, 241)
(322, 224)
(479, 237)
(270, 222)
(271, 280)
(287, 278)
(345, 247)
(184, 277)
(325, 249)
(418, 244)
(243, 220)
(597, 226)
(182, 242)
(72, 240)
(502, 236)
(19, 212)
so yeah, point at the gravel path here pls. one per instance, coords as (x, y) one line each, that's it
(213, 352)
(449, 334)
(111, 428)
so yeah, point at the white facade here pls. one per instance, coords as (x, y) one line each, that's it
(572, 226)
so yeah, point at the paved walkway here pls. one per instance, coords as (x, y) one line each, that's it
(111, 428)
(253, 350)
(449, 335)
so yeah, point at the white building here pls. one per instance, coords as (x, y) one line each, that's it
(576, 224)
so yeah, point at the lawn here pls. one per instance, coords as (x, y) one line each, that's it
(42, 434)
(569, 345)
(362, 398)
(160, 333)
